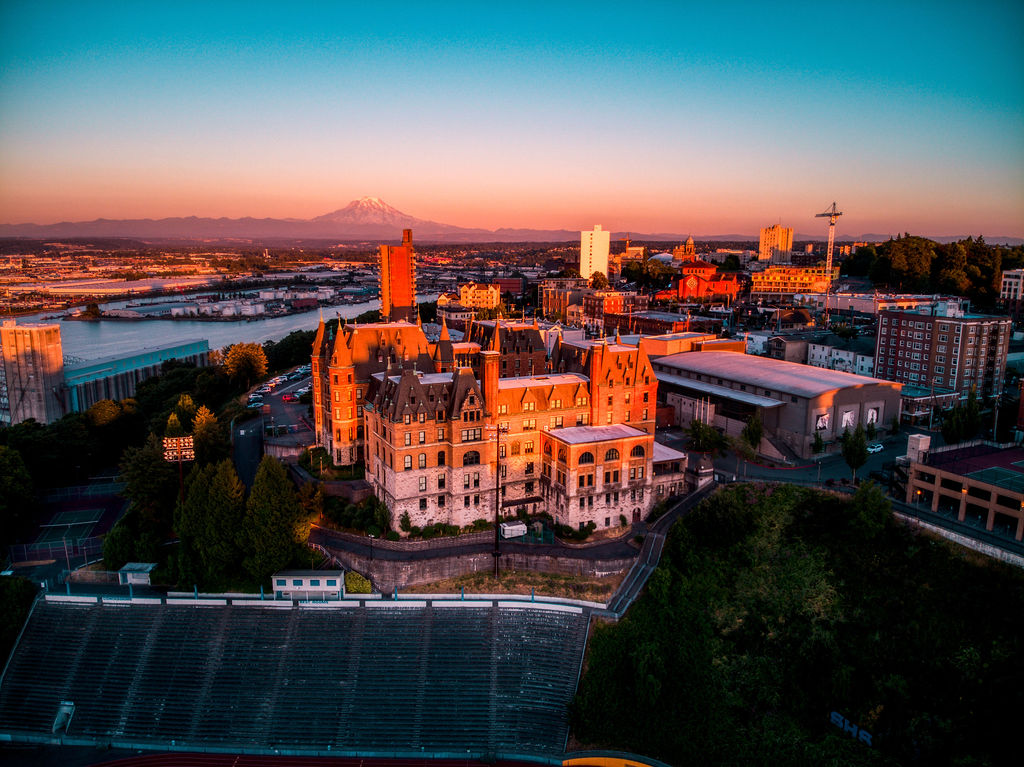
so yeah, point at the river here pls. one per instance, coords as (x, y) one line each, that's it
(86, 340)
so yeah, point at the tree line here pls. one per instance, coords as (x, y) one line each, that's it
(775, 606)
(971, 267)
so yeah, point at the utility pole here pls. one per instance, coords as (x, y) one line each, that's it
(499, 430)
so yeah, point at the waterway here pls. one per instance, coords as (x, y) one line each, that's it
(105, 338)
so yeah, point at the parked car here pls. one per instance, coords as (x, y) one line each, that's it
(290, 397)
(262, 390)
(255, 402)
(875, 447)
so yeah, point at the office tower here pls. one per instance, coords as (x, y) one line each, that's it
(398, 280)
(775, 238)
(594, 247)
(31, 373)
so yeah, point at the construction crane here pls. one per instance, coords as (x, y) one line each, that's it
(831, 215)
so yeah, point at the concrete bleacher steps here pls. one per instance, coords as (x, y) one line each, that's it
(487, 680)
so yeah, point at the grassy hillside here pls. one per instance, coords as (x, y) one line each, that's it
(775, 606)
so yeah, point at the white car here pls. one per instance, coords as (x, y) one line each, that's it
(875, 447)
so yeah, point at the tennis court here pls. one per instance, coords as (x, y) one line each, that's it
(1000, 477)
(69, 526)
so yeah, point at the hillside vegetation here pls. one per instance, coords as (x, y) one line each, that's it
(775, 606)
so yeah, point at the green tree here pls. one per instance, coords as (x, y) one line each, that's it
(268, 533)
(16, 496)
(245, 363)
(871, 510)
(16, 597)
(211, 444)
(818, 444)
(598, 281)
(705, 438)
(855, 449)
(174, 427)
(151, 485)
(731, 264)
(753, 432)
(190, 525)
(185, 409)
(225, 514)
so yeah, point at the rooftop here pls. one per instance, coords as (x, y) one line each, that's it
(766, 373)
(580, 435)
(191, 345)
(551, 380)
(992, 464)
(736, 395)
(666, 453)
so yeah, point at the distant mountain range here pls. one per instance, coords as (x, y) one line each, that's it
(365, 219)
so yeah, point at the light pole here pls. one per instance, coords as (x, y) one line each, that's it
(371, 546)
(499, 429)
(179, 449)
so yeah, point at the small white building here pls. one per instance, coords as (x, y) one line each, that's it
(135, 573)
(309, 584)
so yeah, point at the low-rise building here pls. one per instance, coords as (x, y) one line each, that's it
(779, 282)
(795, 401)
(981, 483)
(851, 355)
(477, 295)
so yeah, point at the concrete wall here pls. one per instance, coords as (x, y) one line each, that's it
(386, 575)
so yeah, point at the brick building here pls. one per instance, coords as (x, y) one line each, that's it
(398, 280)
(601, 302)
(557, 294)
(442, 447)
(944, 353)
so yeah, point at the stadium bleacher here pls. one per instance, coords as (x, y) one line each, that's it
(492, 680)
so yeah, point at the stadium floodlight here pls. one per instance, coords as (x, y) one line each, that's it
(180, 449)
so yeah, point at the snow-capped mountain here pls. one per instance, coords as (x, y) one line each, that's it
(366, 211)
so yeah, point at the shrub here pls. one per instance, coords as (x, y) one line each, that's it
(393, 536)
(415, 531)
(404, 523)
(622, 520)
(356, 583)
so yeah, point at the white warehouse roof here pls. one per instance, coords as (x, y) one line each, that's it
(765, 373)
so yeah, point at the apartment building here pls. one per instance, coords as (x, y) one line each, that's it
(601, 302)
(31, 372)
(779, 282)
(478, 295)
(943, 353)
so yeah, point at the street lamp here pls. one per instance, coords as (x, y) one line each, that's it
(917, 503)
(371, 545)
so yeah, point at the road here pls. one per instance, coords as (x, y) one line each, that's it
(292, 418)
(829, 467)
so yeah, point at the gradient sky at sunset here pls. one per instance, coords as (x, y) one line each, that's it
(705, 118)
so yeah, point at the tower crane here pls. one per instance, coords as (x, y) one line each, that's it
(831, 215)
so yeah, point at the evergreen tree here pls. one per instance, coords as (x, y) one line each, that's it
(151, 485)
(855, 449)
(174, 428)
(225, 513)
(818, 445)
(189, 524)
(16, 497)
(211, 444)
(272, 510)
(185, 409)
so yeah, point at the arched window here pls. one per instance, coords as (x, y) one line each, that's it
(472, 458)
(587, 458)
(423, 460)
(612, 455)
(547, 449)
(637, 451)
(408, 462)
(561, 454)
(440, 457)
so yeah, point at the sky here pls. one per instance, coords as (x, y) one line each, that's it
(708, 118)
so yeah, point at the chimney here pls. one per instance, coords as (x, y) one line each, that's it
(407, 236)
(489, 382)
